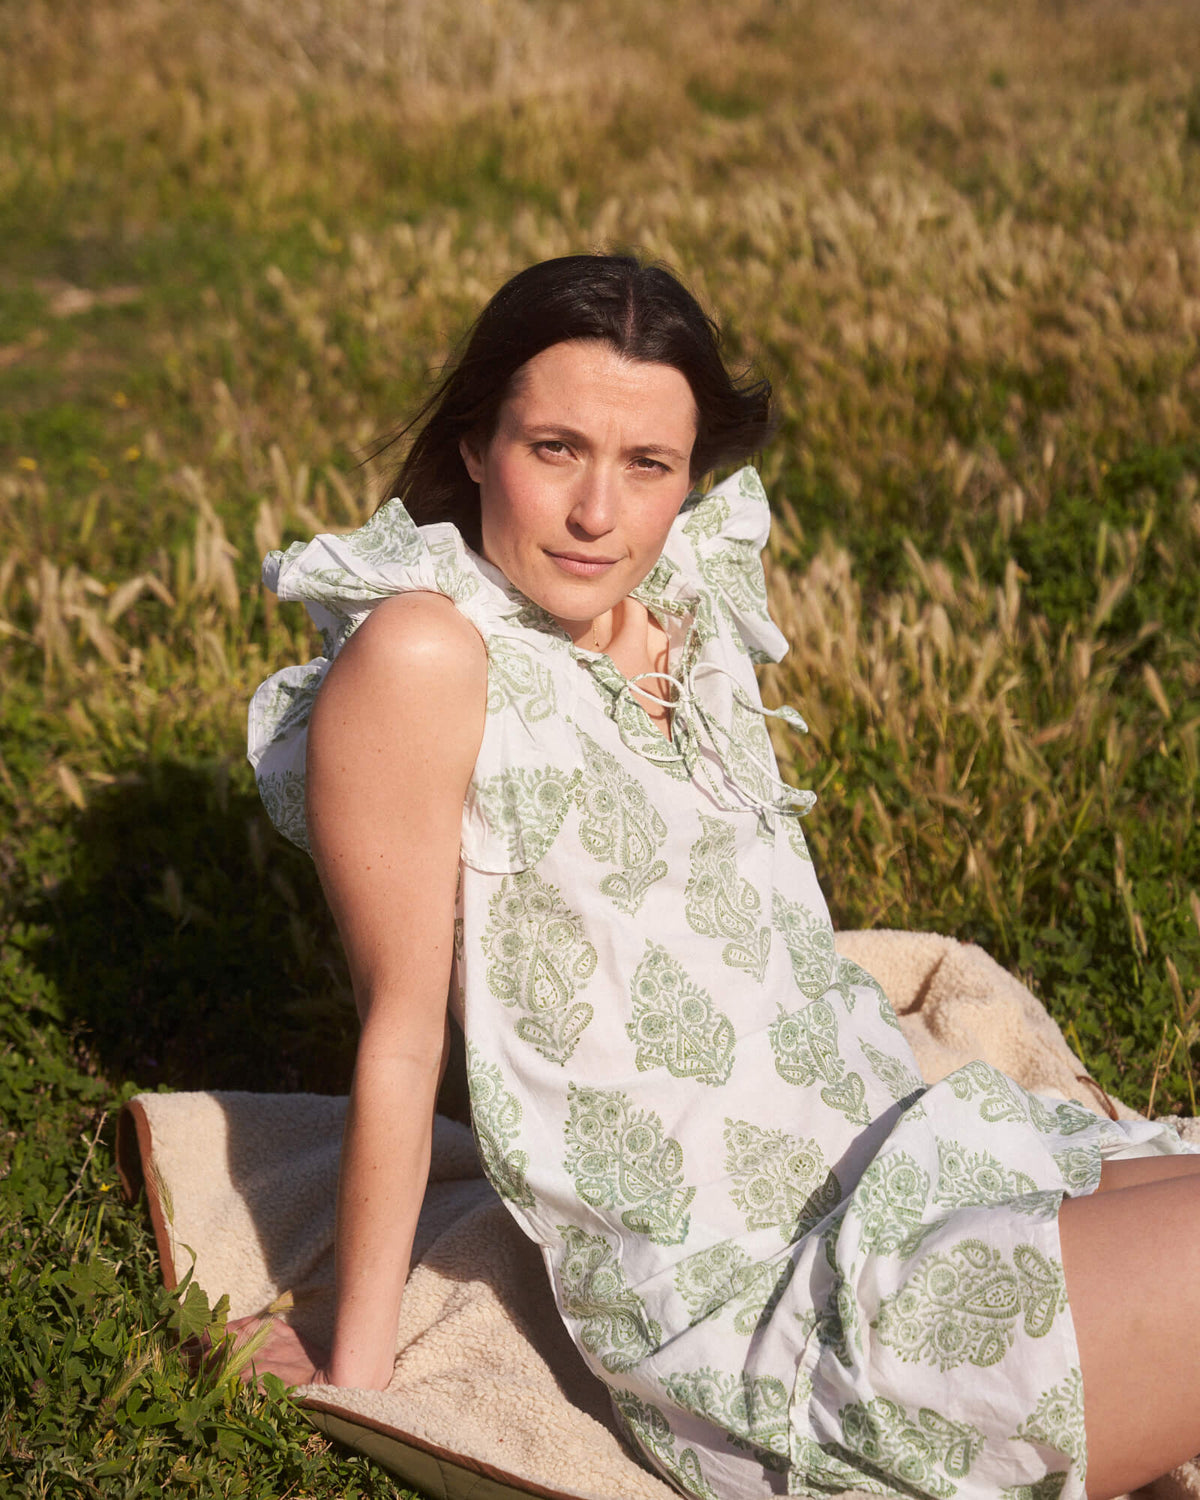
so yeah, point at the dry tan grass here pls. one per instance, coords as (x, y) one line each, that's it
(890, 230)
(944, 672)
(828, 230)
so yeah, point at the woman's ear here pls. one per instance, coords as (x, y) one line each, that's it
(471, 457)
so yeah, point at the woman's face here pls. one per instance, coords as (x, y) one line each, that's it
(588, 467)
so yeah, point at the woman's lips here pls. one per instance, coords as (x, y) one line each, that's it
(581, 565)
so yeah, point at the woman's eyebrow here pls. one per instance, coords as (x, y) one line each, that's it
(660, 450)
(573, 435)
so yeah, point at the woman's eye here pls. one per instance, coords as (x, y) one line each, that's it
(650, 465)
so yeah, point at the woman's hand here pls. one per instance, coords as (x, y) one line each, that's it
(283, 1352)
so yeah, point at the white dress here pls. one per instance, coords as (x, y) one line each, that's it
(797, 1269)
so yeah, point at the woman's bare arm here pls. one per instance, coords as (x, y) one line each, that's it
(393, 739)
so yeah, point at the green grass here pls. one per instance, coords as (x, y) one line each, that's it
(236, 245)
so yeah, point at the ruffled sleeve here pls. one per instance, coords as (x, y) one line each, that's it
(726, 531)
(340, 580)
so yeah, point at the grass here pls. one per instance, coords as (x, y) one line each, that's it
(238, 240)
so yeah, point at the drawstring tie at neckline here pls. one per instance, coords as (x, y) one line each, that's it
(692, 723)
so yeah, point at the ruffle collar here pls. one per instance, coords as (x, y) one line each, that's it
(710, 569)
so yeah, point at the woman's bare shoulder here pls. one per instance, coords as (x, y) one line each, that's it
(412, 676)
(421, 629)
(416, 642)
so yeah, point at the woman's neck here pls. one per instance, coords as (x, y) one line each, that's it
(636, 644)
(628, 634)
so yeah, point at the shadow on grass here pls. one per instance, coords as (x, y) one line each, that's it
(192, 944)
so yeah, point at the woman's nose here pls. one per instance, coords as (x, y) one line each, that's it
(595, 502)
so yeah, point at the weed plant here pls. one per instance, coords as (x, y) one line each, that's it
(239, 239)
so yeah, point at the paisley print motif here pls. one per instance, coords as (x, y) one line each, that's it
(808, 939)
(388, 537)
(966, 1177)
(676, 756)
(283, 797)
(649, 1428)
(733, 571)
(618, 824)
(1057, 1420)
(539, 960)
(675, 1024)
(795, 837)
(620, 1157)
(805, 1045)
(890, 1203)
(1049, 1488)
(780, 1181)
(967, 1305)
(901, 1081)
(496, 1121)
(518, 680)
(720, 904)
(1066, 1118)
(613, 1323)
(754, 1411)
(527, 808)
(1080, 1170)
(724, 1280)
(445, 549)
(926, 1451)
(704, 521)
(998, 1099)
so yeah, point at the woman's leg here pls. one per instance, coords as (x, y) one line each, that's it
(1131, 1258)
(1134, 1171)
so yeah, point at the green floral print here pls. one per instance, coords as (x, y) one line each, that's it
(675, 1024)
(620, 1155)
(964, 1306)
(720, 904)
(388, 537)
(889, 1203)
(723, 1279)
(753, 1410)
(780, 1181)
(1057, 1420)
(928, 1452)
(527, 807)
(613, 1322)
(1049, 1488)
(518, 680)
(649, 1427)
(808, 938)
(619, 825)
(539, 959)
(805, 1044)
(496, 1119)
(896, 1076)
(283, 797)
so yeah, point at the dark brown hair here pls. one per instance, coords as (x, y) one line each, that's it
(641, 310)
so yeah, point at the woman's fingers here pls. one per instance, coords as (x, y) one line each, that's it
(259, 1346)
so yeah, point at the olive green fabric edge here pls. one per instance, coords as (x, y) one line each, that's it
(433, 1474)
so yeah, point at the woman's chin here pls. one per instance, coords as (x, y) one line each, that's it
(575, 602)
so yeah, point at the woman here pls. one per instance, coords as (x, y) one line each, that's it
(536, 779)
